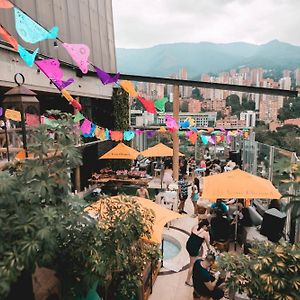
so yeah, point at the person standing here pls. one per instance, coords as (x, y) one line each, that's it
(195, 195)
(206, 286)
(183, 193)
(199, 234)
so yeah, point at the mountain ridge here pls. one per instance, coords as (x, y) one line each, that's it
(206, 57)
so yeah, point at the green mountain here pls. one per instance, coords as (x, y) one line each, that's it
(204, 57)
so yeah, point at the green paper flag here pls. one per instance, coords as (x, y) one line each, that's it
(78, 117)
(161, 103)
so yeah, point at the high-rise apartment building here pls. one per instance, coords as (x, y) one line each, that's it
(249, 117)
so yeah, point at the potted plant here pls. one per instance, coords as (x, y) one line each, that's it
(269, 272)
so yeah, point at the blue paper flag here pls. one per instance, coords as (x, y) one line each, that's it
(28, 57)
(185, 124)
(30, 31)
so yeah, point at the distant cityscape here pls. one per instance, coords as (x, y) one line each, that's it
(211, 107)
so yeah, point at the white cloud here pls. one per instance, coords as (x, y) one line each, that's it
(145, 23)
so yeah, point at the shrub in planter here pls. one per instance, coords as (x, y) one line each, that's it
(269, 272)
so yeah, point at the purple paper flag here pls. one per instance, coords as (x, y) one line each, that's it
(51, 68)
(1, 111)
(106, 78)
(228, 139)
(86, 126)
(151, 133)
(61, 84)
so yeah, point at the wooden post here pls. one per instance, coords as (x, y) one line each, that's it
(175, 134)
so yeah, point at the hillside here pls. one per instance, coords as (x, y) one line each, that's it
(204, 57)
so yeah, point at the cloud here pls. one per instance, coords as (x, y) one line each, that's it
(145, 23)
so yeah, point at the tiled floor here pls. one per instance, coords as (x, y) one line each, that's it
(172, 287)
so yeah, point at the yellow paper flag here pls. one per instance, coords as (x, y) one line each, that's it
(129, 88)
(13, 115)
(67, 95)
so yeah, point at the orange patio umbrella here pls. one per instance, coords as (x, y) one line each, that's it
(159, 150)
(238, 184)
(121, 151)
(162, 215)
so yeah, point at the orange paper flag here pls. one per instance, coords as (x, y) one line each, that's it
(13, 115)
(5, 4)
(9, 38)
(129, 88)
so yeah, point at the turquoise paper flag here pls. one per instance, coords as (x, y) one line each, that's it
(204, 139)
(128, 135)
(160, 104)
(28, 57)
(30, 31)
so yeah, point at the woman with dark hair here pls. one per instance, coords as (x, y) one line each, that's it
(199, 234)
(195, 195)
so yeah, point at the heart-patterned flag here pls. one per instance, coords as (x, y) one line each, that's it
(30, 31)
(80, 54)
(106, 78)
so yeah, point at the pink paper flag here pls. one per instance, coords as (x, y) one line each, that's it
(171, 123)
(86, 126)
(80, 54)
(51, 68)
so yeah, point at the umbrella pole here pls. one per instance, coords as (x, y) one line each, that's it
(162, 253)
(235, 229)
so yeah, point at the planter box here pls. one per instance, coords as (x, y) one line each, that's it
(149, 276)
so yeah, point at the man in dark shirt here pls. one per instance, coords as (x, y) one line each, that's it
(206, 285)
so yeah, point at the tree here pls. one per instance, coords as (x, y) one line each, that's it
(44, 225)
(234, 102)
(290, 109)
(269, 272)
(196, 94)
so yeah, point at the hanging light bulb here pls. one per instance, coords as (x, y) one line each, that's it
(55, 44)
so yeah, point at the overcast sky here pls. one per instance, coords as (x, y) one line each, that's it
(145, 23)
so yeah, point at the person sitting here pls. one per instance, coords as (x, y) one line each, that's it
(275, 204)
(220, 227)
(206, 286)
(168, 175)
(229, 165)
(219, 204)
(143, 192)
